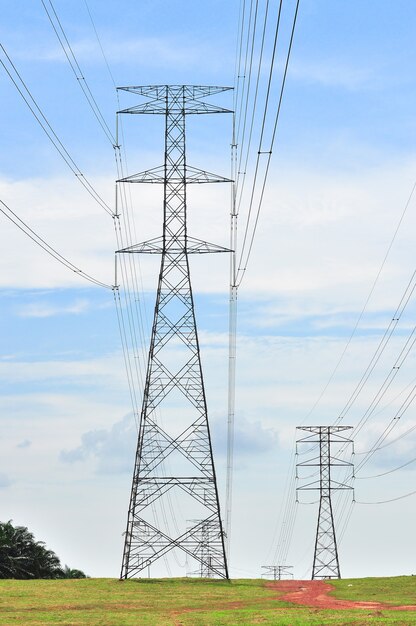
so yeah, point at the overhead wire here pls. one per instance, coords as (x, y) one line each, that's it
(246, 151)
(40, 117)
(397, 315)
(78, 73)
(391, 471)
(342, 512)
(100, 44)
(380, 348)
(244, 257)
(246, 77)
(233, 291)
(389, 428)
(39, 241)
(242, 103)
(363, 310)
(389, 443)
(128, 304)
(402, 497)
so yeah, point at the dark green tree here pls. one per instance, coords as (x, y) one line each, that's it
(68, 572)
(22, 557)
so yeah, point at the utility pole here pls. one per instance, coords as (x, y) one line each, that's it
(176, 458)
(325, 560)
(277, 572)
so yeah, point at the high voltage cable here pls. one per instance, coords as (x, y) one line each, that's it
(264, 113)
(288, 522)
(393, 423)
(406, 495)
(404, 301)
(243, 266)
(131, 322)
(78, 73)
(404, 353)
(407, 432)
(378, 351)
(40, 117)
(242, 170)
(240, 79)
(384, 387)
(247, 65)
(376, 446)
(391, 471)
(233, 292)
(100, 44)
(241, 102)
(11, 215)
(354, 330)
(238, 54)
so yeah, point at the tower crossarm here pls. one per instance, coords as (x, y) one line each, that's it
(174, 372)
(325, 562)
(155, 246)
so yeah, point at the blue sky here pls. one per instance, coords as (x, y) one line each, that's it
(343, 168)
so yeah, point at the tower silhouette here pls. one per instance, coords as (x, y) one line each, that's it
(325, 559)
(174, 457)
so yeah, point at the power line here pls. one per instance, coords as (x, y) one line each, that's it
(242, 170)
(243, 265)
(396, 469)
(393, 423)
(11, 215)
(386, 445)
(397, 315)
(100, 44)
(40, 117)
(406, 495)
(78, 73)
(363, 310)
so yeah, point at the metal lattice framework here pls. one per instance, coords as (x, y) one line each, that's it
(325, 560)
(277, 572)
(174, 364)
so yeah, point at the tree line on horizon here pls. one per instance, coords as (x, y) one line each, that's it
(23, 558)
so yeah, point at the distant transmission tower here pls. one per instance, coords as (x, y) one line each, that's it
(176, 458)
(206, 536)
(325, 560)
(277, 572)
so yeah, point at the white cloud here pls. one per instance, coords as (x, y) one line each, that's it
(335, 73)
(5, 481)
(26, 443)
(152, 52)
(49, 310)
(321, 237)
(106, 369)
(112, 450)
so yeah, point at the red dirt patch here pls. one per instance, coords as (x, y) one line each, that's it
(315, 593)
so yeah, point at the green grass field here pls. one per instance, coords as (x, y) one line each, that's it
(191, 602)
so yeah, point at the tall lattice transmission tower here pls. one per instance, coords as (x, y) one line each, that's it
(174, 458)
(325, 559)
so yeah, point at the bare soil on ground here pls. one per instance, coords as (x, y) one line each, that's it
(316, 593)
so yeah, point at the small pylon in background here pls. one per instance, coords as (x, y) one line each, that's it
(325, 560)
(277, 572)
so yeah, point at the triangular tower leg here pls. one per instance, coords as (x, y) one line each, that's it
(178, 464)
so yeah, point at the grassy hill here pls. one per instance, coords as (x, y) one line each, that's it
(192, 602)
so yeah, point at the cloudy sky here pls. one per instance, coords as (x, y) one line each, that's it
(342, 173)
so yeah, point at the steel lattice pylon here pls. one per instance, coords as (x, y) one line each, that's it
(174, 363)
(325, 560)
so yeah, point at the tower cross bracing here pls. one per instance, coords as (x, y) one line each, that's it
(325, 559)
(169, 462)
